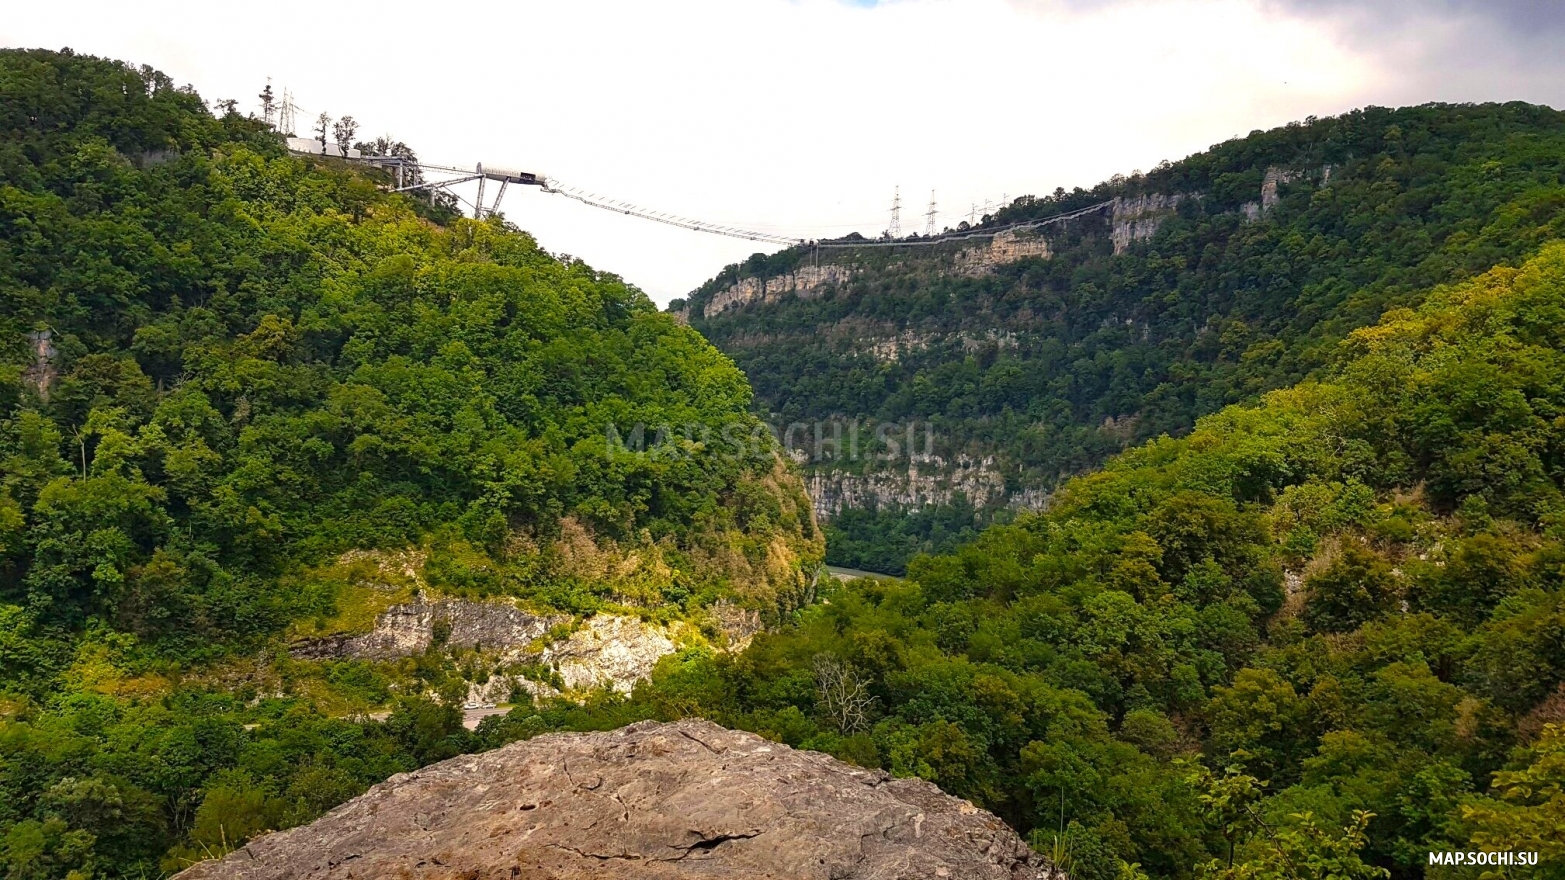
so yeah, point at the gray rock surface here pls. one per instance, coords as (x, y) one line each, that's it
(610, 650)
(405, 630)
(647, 802)
(808, 282)
(41, 374)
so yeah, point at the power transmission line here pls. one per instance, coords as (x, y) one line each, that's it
(975, 233)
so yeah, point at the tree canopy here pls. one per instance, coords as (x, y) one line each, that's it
(1320, 636)
(1045, 366)
(223, 366)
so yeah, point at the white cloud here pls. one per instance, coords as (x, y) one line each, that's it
(796, 116)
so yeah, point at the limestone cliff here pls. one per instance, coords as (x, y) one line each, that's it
(1004, 247)
(408, 629)
(646, 802)
(605, 650)
(387, 609)
(893, 346)
(42, 373)
(810, 282)
(1271, 183)
(918, 484)
(807, 282)
(1088, 319)
(1137, 218)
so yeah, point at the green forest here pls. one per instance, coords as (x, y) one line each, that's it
(1052, 365)
(1307, 624)
(1326, 626)
(222, 366)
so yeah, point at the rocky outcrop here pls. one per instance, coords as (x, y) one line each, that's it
(153, 158)
(41, 374)
(742, 292)
(405, 630)
(919, 485)
(807, 282)
(739, 625)
(889, 349)
(606, 650)
(1137, 218)
(1275, 178)
(1004, 247)
(610, 651)
(645, 802)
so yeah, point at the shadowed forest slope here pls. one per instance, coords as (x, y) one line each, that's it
(1201, 283)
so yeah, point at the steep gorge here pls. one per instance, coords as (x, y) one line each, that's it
(1040, 350)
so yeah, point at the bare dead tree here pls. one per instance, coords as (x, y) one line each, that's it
(840, 692)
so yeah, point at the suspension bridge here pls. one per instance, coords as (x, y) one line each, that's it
(431, 179)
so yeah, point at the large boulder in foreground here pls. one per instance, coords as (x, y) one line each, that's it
(682, 800)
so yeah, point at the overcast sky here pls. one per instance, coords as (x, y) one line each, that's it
(801, 116)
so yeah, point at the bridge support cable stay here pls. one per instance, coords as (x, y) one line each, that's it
(968, 233)
(597, 201)
(505, 177)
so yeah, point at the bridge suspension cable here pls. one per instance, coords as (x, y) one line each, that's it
(607, 204)
(596, 201)
(455, 175)
(968, 233)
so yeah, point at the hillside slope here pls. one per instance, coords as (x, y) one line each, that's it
(1038, 353)
(1325, 629)
(248, 399)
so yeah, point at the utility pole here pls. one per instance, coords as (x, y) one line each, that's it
(895, 229)
(929, 216)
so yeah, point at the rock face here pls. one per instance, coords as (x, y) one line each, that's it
(1137, 218)
(606, 650)
(609, 650)
(404, 630)
(922, 483)
(913, 487)
(646, 802)
(1005, 247)
(41, 374)
(892, 348)
(807, 282)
